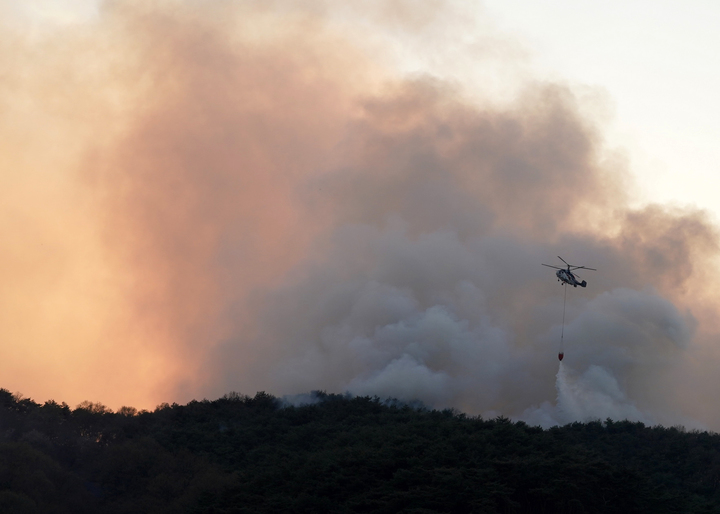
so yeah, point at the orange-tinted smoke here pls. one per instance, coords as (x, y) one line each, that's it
(150, 160)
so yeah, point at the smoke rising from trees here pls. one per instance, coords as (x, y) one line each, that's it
(244, 196)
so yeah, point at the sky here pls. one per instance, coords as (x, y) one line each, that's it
(212, 196)
(659, 65)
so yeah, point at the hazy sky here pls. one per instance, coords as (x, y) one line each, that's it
(660, 66)
(203, 196)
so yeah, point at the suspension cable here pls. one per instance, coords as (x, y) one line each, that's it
(562, 330)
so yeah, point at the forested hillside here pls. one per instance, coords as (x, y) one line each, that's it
(242, 454)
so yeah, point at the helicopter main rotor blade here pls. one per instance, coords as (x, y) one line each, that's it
(555, 267)
(566, 262)
(583, 267)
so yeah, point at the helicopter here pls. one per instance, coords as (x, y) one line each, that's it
(566, 276)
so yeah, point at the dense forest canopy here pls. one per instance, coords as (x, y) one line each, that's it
(340, 454)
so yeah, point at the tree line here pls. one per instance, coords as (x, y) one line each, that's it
(241, 454)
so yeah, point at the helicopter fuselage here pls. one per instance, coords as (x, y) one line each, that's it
(568, 277)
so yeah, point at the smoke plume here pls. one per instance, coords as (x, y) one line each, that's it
(213, 196)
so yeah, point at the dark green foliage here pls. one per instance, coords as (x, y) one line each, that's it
(249, 454)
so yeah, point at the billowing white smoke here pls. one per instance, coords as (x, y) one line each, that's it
(594, 395)
(431, 318)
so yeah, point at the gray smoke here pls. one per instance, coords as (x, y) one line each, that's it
(249, 195)
(428, 284)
